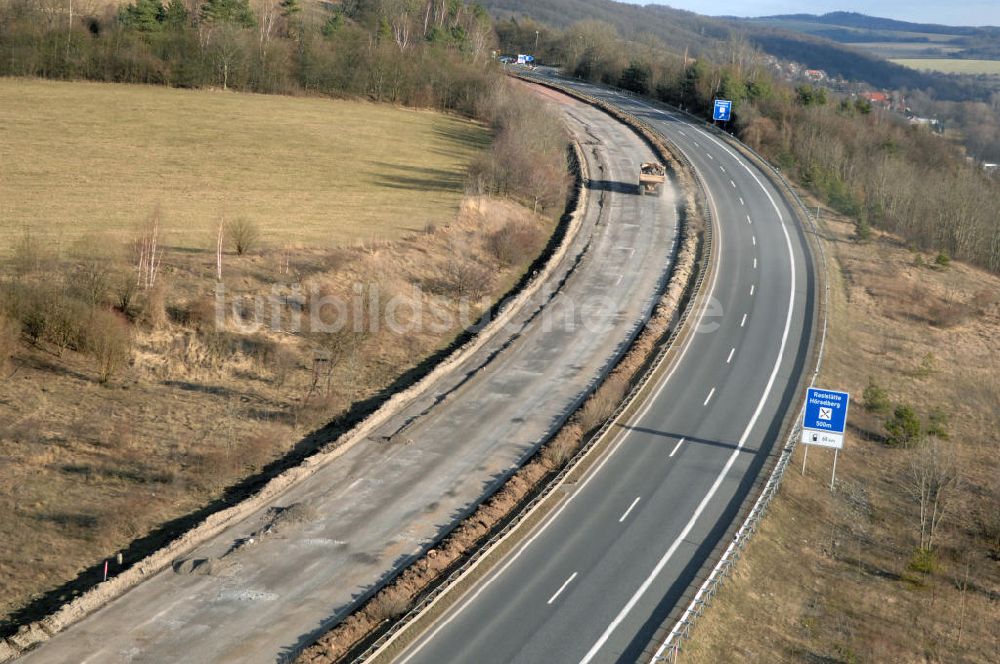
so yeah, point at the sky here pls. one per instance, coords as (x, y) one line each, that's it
(956, 12)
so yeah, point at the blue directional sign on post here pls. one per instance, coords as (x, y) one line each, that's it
(723, 110)
(825, 418)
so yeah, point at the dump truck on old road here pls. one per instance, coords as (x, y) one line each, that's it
(651, 176)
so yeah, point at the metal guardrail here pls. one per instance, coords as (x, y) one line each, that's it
(557, 480)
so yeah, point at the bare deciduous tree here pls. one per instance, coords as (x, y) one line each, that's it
(244, 235)
(147, 252)
(933, 476)
(218, 250)
(111, 345)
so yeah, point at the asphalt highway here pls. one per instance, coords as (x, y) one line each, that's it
(595, 580)
(389, 497)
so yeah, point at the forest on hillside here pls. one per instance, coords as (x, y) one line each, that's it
(704, 36)
(864, 162)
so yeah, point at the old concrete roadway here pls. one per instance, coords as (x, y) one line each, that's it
(383, 501)
(597, 578)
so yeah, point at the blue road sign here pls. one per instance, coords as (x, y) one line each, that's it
(723, 110)
(825, 418)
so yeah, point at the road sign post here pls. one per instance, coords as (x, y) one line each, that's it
(824, 422)
(722, 110)
(833, 475)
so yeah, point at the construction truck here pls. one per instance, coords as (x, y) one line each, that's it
(651, 176)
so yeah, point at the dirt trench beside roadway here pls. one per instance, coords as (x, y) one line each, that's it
(265, 586)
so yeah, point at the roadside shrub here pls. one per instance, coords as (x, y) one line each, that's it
(862, 230)
(603, 403)
(48, 314)
(215, 466)
(923, 561)
(198, 313)
(876, 399)
(19, 306)
(125, 291)
(92, 282)
(389, 604)
(948, 313)
(928, 366)
(110, 344)
(68, 320)
(527, 160)
(461, 278)
(261, 349)
(513, 243)
(563, 446)
(154, 310)
(244, 235)
(903, 428)
(983, 300)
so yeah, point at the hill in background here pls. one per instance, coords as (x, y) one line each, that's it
(889, 38)
(783, 37)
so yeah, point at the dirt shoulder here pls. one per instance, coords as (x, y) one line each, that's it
(846, 576)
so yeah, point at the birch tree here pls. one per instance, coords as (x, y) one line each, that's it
(932, 479)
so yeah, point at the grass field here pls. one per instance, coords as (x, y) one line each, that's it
(951, 65)
(85, 158)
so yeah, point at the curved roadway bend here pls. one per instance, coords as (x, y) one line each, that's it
(383, 501)
(596, 579)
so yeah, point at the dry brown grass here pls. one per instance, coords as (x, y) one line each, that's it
(833, 576)
(89, 468)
